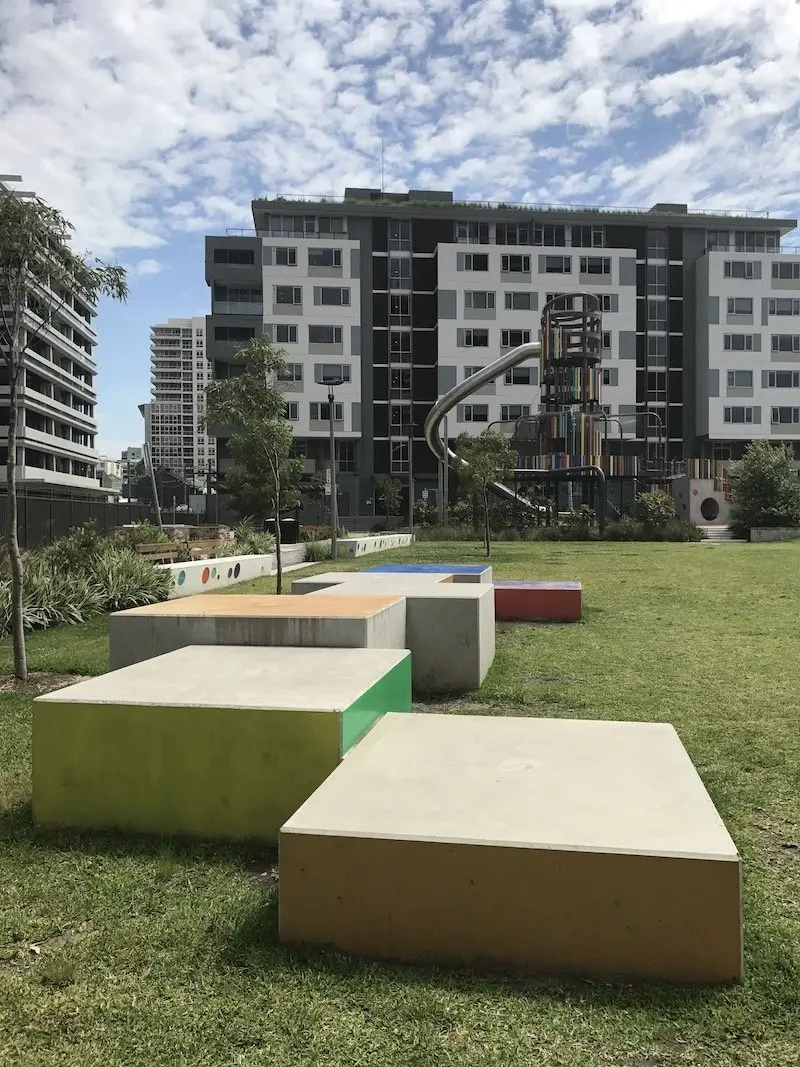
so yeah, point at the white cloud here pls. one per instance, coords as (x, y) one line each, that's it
(145, 118)
(145, 267)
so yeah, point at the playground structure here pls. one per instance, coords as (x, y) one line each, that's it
(568, 440)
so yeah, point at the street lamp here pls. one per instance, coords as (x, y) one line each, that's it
(331, 383)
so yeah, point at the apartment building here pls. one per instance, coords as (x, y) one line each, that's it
(413, 291)
(57, 426)
(179, 374)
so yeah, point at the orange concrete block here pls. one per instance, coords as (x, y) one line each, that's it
(537, 601)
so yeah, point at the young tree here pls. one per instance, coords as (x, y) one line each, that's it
(488, 458)
(390, 490)
(266, 476)
(766, 488)
(39, 273)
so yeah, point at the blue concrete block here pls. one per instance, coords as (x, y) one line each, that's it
(462, 572)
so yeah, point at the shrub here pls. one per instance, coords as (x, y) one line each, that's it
(127, 580)
(623, 530)
(578, 525)
(317, 551)
(654, 508)
(139, 533)
(76, 550)
(247, 541)
(50, 597)
(321, 533)
(766, 489)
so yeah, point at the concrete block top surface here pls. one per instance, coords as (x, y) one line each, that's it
(231, 676)
(574, 785)
(538, 585)
(418, 578)
(430, 568)
(401, 588)
(278, 607)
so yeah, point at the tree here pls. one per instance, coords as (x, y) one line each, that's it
(489, 458)
(39, 274)
(266, 477)
(765, 488)
(390, 489)
(654, 509)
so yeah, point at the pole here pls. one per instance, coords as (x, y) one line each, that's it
(334, 503)
(149, 460)
(411, 479)
(446, 473)
(208, 492)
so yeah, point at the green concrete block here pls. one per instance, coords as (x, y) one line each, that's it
(211, 742)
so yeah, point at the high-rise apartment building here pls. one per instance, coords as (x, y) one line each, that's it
(56, 427)
(179, 374)
(403, 295)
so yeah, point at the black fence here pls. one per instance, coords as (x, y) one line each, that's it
(41, 520)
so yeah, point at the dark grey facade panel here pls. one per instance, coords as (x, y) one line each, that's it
(266, 255)
(448, 377)
(765, 311)
(355, 262)
(356, 417)
(713, 311)
(756, 416)
(627, 270)
(355, 340)
(627, 344)
(446, 304)
(713, 382)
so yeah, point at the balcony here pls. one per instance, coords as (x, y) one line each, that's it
(230, 307)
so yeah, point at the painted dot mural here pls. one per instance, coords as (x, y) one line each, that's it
(205, 575)
(213, 572)
(230, 572)
(181, 577)
(236, 570)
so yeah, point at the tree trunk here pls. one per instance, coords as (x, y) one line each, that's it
(17, 610)
(278, 559)
(486, 519)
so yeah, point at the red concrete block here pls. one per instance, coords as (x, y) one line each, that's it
(537, 601)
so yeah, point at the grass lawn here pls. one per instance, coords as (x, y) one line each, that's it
(149, 952)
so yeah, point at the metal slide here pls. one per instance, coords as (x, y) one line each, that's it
(461, 391)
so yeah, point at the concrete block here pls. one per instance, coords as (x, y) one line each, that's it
(329, 578)
(203, 575)
(141, 633)
(450, 630)
(461, 572)
(364, 544)
(538, 601)
(531, 845)
(209, 742)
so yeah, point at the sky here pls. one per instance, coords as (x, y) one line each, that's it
(151, 123)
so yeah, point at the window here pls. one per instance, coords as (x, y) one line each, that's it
(292, 412)
(783, 379)
(472, 261)
(785, 342)
(595, 265)
(656, 346)
(786, 270)
(518, 301)
(738, 269)
(327, 296)
(399, 234)
(324, 335)
(400, 418)
(784, 307)
(286, 257)
(557, 265)
(737, 415)
(321, 412)
(512, 233)
(326, 224)
(469, 371)
(606, 339)
(472, 233)
(476, 413)
(399, 273)
(400, 346)
(549, 235)
(288, 294)
(324, 257)
(782, 416)
(567, 303)
(399, 310)
(398, 456)
(235, 257)
(588, 237)
(656, 244)
(513, 338)
(346, 457)
(477, 299)
(519, 376)
(656, 281)
(515, 264)
(512, 412)
(280, 333)
(293, 372)
(400, 383)
(738, 342)
(755, 241)
(656, 314)
(475, 339)
(740, 379)
(333, 372)
(233, 333)
(606, 373)
(740, 305)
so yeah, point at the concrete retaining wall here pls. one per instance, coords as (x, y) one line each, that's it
(780, 533)
(364, 545)
(203, 575)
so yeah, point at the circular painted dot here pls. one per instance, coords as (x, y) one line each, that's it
(236, 570)
(213, 572)
(230, 572)
(181, 577)
(205, 575)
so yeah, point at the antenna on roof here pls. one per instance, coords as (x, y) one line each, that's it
(383, 182)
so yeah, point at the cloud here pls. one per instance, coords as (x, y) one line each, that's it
(145, 267)
(143, 119)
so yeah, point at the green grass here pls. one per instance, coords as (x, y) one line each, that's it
(155, 952)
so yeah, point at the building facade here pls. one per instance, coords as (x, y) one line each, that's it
(179, 374)
(410, 293)
(57, 425)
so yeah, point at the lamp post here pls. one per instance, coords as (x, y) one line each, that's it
(331, 383)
